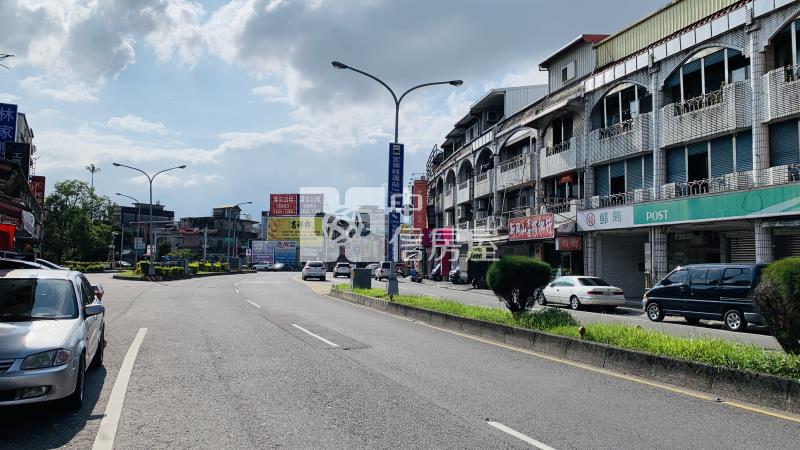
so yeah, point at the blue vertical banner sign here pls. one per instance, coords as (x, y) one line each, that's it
(8, 125)
(394, 200)
(393, 237)
(395, 187)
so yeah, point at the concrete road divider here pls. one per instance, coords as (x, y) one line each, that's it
(728, 384)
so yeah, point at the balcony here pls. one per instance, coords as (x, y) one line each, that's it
(464, 193)
(483, 184)
(439, 203)
(561, 158)
(448, 198)
(621, 140)
(464, 225)
(708, 115)
(782, 93)
(515, 171)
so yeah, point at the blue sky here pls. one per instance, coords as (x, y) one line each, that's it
(242, 91)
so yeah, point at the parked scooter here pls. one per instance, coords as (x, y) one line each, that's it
(415, 276)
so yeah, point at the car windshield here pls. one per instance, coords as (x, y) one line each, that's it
(36, 299)
(592, 282)
(315, 264)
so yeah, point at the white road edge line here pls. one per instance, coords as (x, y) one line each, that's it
(314, 335)
(518, 435)
(236, 290)
(108, 426)
(253, 303)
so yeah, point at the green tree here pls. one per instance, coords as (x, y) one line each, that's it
(514, 279)
(163, 249)
(778, 299)
(77, 225)
(182, 253)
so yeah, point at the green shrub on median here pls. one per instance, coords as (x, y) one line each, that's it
(559, 321)
(778, 299)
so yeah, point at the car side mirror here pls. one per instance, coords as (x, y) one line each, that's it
(552, 285)
(93, 310)
(98, 290)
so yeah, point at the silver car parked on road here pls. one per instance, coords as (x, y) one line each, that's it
(51, 328)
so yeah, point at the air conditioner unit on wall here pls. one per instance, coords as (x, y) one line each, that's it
(668, 190)
(641, 195)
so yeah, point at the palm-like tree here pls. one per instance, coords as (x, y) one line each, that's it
(93, 170)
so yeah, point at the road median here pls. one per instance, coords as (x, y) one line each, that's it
(727, 383)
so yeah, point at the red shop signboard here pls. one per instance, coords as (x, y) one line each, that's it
(570, 243)
(531, 227)
(282, 205)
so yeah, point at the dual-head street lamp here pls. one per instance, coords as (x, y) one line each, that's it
(397, 100)
(150, 230)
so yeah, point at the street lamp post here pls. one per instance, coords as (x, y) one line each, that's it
(397, 100)
(150, 179)
(138, 226)
(228, 216)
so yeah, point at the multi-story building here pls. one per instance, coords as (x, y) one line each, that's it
(134, 221)
(673, 141)
(223, 233)
(472, 186)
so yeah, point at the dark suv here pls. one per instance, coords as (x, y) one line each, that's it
(707, 291)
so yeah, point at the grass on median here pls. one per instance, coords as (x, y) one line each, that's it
(558, 321)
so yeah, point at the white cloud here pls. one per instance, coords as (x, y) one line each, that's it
(69, 92)
(136, 124)
(271, 94)
(9, 98)
(178, 179)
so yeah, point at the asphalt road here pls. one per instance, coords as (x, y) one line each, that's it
(266, 361)
(629, 315)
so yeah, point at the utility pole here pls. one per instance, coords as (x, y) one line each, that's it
(205, 241)
(121, 241)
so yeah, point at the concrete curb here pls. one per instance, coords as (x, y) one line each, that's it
(153, 279)
(756, 388)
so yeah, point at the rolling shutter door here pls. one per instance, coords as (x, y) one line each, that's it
(742, 249)
(601, 180)
(673, 80)
(721, 156)
(619, 259)
(647, 161)
(784, 146)
(676, 165)
(714, 58)
(633, 177)
(697, 148)
(744, 151)
(618, 169)
(786, 245)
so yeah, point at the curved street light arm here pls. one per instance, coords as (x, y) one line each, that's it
(134, 168)
(167, 170)
(436, 83)
(394, 96)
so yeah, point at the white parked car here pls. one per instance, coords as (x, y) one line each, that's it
(383, 271)
(341, 269)
(372, 268)
(314, 269)
(262, 266)
(577, 291)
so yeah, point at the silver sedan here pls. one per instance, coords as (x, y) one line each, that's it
(51, 329)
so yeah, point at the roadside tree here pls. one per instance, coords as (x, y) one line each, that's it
(778, 298)
(515, 279)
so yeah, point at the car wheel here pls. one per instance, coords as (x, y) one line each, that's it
(574, 303)
(654, 312)
(540, 299)
(692, 320)
(97, 361)
(304, 278)
(610, 309)
(75, 400)
(734, 321)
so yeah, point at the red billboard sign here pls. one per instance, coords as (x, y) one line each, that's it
(37, 187)
(570, 243)
(419, 201)
(531, 227)
(282, 205)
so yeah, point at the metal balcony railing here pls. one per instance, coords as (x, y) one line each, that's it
(558, 148)
(791, 73)
(622, 198)
(463, 185)
(697, 103)
(513, 163)
(482, 177)
(617, 129)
